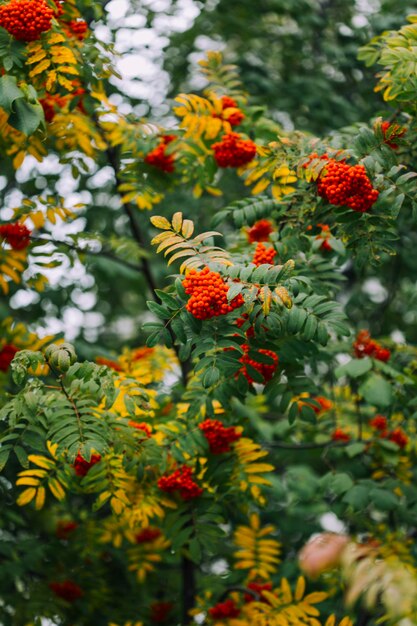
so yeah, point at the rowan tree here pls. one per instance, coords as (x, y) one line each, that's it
(178, 462)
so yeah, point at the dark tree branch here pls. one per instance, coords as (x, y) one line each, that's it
(80, 250)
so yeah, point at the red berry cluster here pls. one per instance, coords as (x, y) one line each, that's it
(259, 588)
(208, 293)
(16, 235)
(379, 422)
(77, 29)
(65, 528)
(52, 104)
(7, 354)
(263, 255)
(147, 535)
(267, 371)
(67, 590)
(260, 231)
(324, 237)
(340, 435)
(159, 158)
(398, 436)
(160, 611)
(346, 185)
(224, 609)
(25, 20)
(234, 118)
(59, 7)
(82, 467)
(141, 426)
(390, 132)
(181, 480)
(325, 404)
(233, 151)
(219, 437)
(365, 346)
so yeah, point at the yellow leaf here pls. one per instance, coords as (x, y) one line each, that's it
(187, 228)
(26, 496)
(41, 461)
(160, 222)
(177, 221)
(28, 481)
(116, 505)
(40, 498)
(41, 67)
(56, 489)
(300, 588)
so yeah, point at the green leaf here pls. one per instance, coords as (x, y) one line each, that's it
(354, 449)
(26, 116)
(9, 92)
(355, 368)
(377, 391)
(384, 500)
(340, 483)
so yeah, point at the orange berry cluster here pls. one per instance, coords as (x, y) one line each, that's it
(260, 231)
(263, 255)
(325, 404)
(25, 20)
(218, 436)
(67, 590)
(208, 293)
(82, 467)
(365, 346)
(109, 363)
(233, 151)
(267, 371)
(7, 354)
(77, 29)
(346, 185)
(234, 117)
(141, 426)
(340, 435)
(390, 132)
(159, 158)
(59, 7)
(181, 480)
(16, 235)
(146, 535)
(225, 609)
(398, 436)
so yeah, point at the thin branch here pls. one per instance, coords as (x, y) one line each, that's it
(80, 250)
(306, 446)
